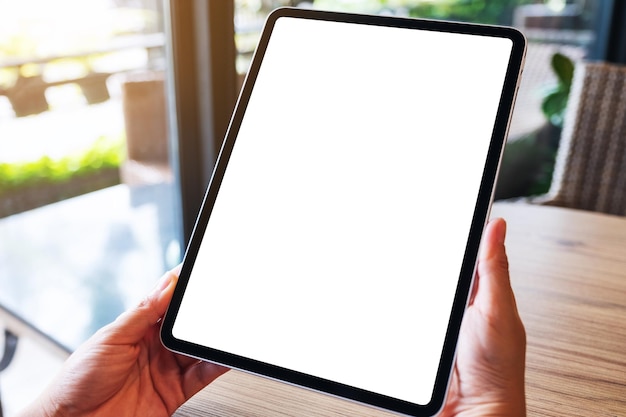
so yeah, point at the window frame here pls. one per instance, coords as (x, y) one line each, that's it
(202, 91)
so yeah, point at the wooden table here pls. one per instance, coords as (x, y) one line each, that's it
(568, 270)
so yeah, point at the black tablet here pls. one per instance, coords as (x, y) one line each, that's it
(337, 241)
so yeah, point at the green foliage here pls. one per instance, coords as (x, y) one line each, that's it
(106, 153)
(555, 101)
(496, 12)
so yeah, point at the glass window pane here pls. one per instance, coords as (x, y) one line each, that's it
(88, 202)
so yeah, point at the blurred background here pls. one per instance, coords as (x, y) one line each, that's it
(112, 113)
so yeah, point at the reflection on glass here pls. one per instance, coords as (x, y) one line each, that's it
(88, 217)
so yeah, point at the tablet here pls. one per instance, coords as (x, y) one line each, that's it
(337, 242)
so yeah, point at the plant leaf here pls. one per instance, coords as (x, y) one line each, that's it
(553, 107)
(564, 69)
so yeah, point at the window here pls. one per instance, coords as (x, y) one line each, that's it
(89, 196)
(88, 200)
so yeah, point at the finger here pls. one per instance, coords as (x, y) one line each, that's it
(494, 297)
(494, 285)
(199, 376)
(493, 240)
(132, 325)
(176, 270)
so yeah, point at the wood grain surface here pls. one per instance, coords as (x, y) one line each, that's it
(568, 270)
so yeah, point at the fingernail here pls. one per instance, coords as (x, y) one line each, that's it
(501, 231)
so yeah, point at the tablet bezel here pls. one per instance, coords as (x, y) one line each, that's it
(479, 219)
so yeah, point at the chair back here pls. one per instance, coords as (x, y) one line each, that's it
(590, 167)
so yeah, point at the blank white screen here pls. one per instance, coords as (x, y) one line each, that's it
(336, 240)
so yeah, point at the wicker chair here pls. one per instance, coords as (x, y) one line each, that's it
(590, 168)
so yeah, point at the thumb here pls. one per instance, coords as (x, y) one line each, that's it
(132, 325)
(494, 293)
